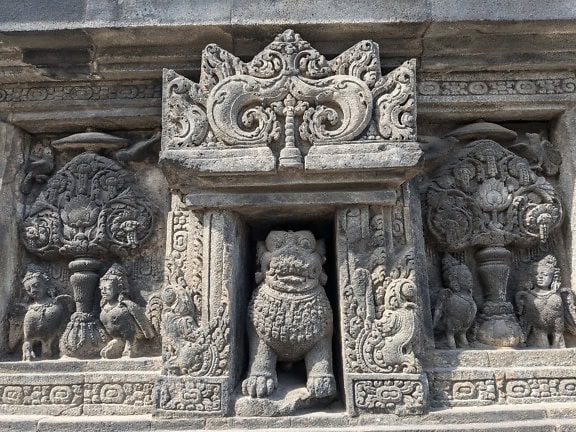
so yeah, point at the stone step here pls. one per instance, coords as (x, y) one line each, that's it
(557, 417)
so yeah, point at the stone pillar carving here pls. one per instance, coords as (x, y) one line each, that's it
(381, 314)
(203, 294)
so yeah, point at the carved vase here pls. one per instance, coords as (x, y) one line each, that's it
(84, 336)
(497, 324)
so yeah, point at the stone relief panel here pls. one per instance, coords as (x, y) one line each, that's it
(88, 217)
(491, 209)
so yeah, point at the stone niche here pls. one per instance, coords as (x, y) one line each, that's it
(297, 248)
(290, 179)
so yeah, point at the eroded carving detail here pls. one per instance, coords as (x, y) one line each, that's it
(455, 307)
(190, 395)
(290, 317)
(395, 103)
(546, 309)
(389, 396)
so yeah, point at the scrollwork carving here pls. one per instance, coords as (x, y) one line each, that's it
(395, 103)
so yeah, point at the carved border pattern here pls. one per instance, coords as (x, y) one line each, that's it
(127, 393)
(150, 90)
(463, 392)
(453, 391)
(395, 396)
(497, 87)
(190, 395)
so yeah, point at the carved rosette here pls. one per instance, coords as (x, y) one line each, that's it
(286, 100)
(90, 209)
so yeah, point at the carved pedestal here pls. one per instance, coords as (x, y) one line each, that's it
(498, 325)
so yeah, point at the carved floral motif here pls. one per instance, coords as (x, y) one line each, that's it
(488, 196)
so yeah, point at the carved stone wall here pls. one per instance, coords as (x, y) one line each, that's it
(272, 230)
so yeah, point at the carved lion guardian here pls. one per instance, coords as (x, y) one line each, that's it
(290, 317)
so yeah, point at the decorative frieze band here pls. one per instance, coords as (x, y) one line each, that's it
(495, 87)
(81, 92)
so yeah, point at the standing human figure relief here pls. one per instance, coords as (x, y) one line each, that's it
(289, 315)
(546, 309)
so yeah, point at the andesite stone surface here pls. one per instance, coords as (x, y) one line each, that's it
(234, 215)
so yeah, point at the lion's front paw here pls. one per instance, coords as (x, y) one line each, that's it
(321, 386)
(27, 352)
(259, 386)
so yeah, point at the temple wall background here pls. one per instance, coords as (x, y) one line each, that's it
(97, 65)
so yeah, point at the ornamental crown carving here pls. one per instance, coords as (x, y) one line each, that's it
(271, 111)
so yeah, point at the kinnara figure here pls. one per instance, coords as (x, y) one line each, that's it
(290, 317)
(47, 315)
(123, 318)
(545, 309)
(455, 307)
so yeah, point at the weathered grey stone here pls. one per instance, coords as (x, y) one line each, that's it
(263, 137)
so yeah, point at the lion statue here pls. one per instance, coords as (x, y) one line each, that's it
(289, 315)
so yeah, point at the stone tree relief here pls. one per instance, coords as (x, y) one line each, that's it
(488, 199)
(89, 211)
(545, 309)
(289, 315)
(286, 100)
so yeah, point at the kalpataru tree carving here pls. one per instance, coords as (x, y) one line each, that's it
(487, 197)
(289, 316)
(90, 209)
(239, 114)
(546, 309)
